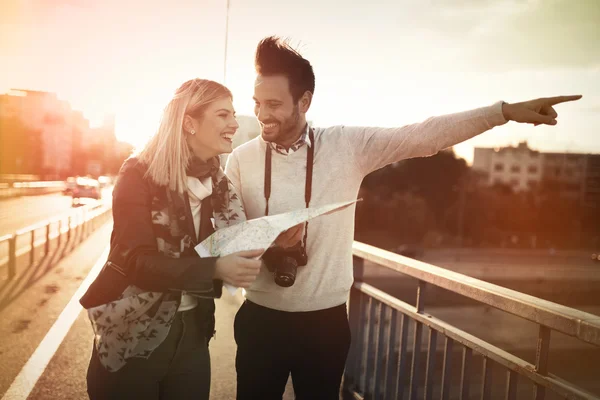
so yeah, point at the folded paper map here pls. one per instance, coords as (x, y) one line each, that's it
(260, 233)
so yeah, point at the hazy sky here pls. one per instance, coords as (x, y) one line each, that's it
(379, 63)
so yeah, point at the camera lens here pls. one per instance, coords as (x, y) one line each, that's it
(285, 275)
(284, 280)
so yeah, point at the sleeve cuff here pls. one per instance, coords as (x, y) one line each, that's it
(496, 117)
(218, 288)
(199, 276)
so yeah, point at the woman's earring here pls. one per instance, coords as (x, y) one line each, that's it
(193, 132)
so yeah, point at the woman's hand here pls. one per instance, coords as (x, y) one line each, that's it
(239, 269)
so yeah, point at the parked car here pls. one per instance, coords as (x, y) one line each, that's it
(86, 188)
(70, 184)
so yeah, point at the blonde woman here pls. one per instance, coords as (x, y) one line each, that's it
(152, 306)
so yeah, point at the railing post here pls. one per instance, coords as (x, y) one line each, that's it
(352, 374)
(12, 257)
(47, 244)
(421, 297)
(401, 370)
(59, 231)
(446, 369)
(32, 245)
(89, 222)
(359, 268)
(353, 319)
(83, 225)
(373, 349)
(486, 382)
(392, 364)
(382, 357)
(511, 385)
(78, 225)
(429, 371)
(358, 328)
(69, 224)
(416, 355)
(541, 360)
(465, 373)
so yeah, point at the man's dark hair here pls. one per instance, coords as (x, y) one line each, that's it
(275, 56)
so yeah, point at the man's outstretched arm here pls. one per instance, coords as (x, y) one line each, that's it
(374, 148)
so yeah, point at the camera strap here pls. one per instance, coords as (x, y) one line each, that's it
(310, 154)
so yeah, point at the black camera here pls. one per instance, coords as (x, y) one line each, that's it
(285, 262)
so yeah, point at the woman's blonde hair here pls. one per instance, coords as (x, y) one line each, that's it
(167, 154)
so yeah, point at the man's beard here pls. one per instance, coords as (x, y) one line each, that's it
(289, 126)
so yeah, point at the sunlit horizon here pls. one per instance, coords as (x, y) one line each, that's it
(418, 60)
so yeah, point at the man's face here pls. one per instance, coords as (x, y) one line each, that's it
(274, 107)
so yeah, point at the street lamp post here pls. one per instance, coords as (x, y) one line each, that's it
(226, 39)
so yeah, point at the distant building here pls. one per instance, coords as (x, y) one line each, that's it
(566, 172)
(519, 167)
(56, 126)
(103, 135)
(591, 182)
(59, 138)
(100, 147)
(574, 175)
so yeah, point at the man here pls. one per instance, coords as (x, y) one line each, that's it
(302, 329)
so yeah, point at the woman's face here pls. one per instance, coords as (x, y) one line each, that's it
(213, 131)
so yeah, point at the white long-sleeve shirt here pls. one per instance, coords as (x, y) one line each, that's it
(343, 157)
(197, 191)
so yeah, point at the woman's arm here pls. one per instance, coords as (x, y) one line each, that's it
(134, 235)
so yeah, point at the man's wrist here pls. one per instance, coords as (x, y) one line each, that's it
(506, 110)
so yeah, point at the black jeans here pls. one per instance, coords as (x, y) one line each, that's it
(312, 346)
(178, 369)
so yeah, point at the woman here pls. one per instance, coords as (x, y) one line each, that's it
(152, 306)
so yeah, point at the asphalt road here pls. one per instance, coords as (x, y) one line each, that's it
(21, 212)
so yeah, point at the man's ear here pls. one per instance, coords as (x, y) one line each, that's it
(305, 102)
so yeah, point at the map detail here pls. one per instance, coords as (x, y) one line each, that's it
(260, 233)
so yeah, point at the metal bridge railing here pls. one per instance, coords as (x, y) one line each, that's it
(81, 221)
(386, 357)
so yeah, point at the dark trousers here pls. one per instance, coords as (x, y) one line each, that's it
(311, 346)
(178, 369)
